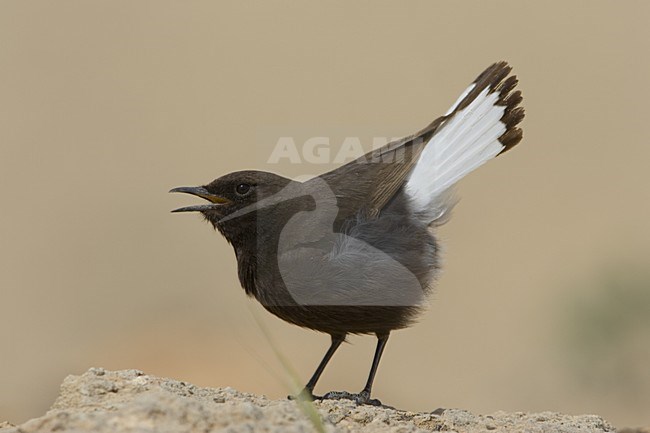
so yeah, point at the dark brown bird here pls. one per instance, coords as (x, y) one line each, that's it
(352, 250)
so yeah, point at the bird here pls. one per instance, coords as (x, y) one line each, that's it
(353, 250)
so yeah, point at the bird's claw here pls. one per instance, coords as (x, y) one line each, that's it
(361, 398)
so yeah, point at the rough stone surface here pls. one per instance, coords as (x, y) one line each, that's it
(130, 401)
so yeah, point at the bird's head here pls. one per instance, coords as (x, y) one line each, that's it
(233, 196)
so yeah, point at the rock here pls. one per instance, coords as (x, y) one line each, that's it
(131, 401)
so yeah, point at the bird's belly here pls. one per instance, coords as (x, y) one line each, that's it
(373, 278)
(356, 289)
(342, 319)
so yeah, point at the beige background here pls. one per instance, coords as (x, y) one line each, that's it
(104, 106)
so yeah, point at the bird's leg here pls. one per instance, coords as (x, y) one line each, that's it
(307, 392)
(364, 396)
(381, 344)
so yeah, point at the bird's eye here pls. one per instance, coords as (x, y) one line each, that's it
(242, 189)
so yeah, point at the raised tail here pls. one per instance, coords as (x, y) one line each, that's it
(482, 124)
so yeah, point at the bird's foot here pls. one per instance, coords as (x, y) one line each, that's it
(361, 398)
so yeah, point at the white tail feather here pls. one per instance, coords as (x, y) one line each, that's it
(460, 99)
(468, 139)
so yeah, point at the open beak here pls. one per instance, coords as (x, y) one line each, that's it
(199, 191)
